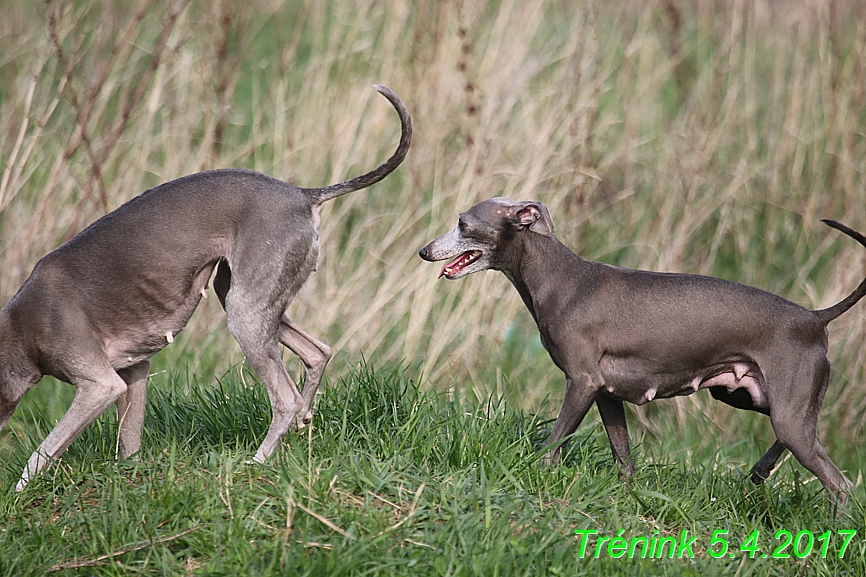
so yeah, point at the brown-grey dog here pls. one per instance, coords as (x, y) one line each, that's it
(95, 310)
(630, 335)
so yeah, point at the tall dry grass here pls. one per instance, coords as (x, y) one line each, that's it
(700, 136)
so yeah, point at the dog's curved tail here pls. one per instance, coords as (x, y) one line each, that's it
(324, 193)
(828, 314)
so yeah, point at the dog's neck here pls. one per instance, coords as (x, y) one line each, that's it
(528, 265)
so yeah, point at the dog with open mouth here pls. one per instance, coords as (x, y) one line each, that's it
(631, 335)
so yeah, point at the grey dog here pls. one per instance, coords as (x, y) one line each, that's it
(631, 335)
(96, 309)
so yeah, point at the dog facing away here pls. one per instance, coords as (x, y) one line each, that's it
(631, 335)
(96, 309)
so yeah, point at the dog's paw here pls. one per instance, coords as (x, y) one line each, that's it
(257, 460)
(758, 477)
(303, 420)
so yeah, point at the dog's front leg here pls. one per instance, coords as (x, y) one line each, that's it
(130, 408)
(580, 393)
(314, 354)
(93, 395)
(613, 416)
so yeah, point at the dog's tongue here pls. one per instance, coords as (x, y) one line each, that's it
(459, 263)
(448, 269)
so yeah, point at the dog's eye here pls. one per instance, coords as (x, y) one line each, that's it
(461, 224)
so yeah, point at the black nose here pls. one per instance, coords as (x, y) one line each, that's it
(423, 253)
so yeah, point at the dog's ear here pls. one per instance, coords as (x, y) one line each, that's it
(534, 215)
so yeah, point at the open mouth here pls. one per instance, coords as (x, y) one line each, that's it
(461, 262)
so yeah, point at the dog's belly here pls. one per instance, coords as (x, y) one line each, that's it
(131, 349)
(136, 333)
(637, 382)
(137, 337)
(134, 342)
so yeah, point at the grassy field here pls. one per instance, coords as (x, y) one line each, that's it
(397, 480)
(706, 137)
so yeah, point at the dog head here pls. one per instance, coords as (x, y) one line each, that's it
(483, 234)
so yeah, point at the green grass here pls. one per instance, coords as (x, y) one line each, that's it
(392, 479)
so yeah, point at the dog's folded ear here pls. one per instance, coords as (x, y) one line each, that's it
(534, 215)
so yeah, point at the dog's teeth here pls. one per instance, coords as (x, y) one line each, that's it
(169, 337)
(204, 294)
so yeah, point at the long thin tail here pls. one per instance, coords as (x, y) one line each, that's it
(828, 314)
(324, 193)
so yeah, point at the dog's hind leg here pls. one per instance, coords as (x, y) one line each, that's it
(314, 354)
(794, 417)
(256, 331)
(255, 327)
(806, 447)
(94, 393)
(286, 402)
(130, 408)
(741, 399)
(767, 463)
